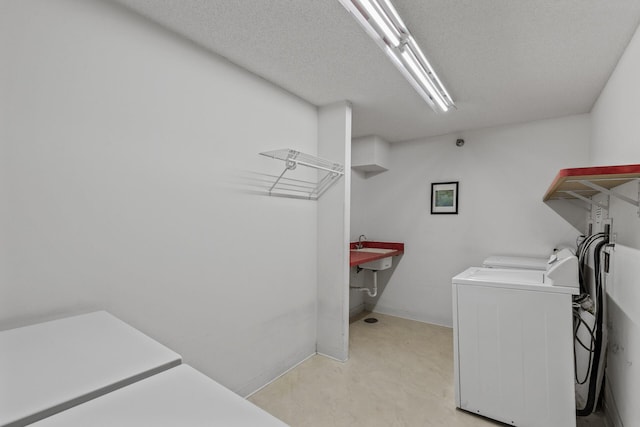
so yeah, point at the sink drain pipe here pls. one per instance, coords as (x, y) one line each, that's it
(367, 290)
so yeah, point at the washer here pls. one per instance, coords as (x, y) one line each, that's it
(526, 263)
(513, 344)
(180, 396)
(52, 366)
(516, 262)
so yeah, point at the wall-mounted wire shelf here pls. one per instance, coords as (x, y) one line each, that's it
(329, 174)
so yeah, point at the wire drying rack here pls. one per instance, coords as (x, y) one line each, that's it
(329, 173)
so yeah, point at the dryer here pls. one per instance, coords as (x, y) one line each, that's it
(513, 344)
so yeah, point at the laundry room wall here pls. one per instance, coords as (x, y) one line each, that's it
(503, 173)
(616, 141)
(4, 176)
(123, 146)
(358, 199)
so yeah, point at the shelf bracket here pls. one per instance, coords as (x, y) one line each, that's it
(587, 200)
(610, 192)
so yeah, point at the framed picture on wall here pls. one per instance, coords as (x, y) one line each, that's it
(444, 197)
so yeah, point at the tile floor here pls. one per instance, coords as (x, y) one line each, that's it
(400, 373)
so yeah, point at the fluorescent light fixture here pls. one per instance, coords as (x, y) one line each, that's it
(413, 64)
(383, 23)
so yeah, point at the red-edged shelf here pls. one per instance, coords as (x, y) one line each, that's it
(582, 183)
(357, 258)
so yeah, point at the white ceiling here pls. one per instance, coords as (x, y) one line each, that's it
(503, 61)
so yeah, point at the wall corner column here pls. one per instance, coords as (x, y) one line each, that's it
(334, 211)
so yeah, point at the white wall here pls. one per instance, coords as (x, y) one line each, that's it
(4, 167)
(358, 201)
(503, 174)
(615, 136)
(120, 141)
(615, 115)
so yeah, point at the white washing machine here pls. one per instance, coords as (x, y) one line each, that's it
(527, 263)
(516, 262)
(513, 344)
(52, 366)
(180, 396)
(94, 369)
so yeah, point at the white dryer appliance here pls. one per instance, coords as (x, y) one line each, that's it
(513, 344)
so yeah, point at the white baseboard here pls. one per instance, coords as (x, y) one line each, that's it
(376, 308)
(282, 374)
(332, 358)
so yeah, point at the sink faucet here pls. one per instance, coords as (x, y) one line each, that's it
(361, 239)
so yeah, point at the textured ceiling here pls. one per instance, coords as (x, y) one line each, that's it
(503, 61)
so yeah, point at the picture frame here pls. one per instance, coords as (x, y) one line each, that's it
(444, 198)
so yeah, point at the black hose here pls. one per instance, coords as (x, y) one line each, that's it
(597, 354)
(582, 251)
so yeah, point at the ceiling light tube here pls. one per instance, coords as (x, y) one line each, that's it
(394, 16)
(376, 14)
(420, 74)
(393, 55)
(368, 23)
(432, 74)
